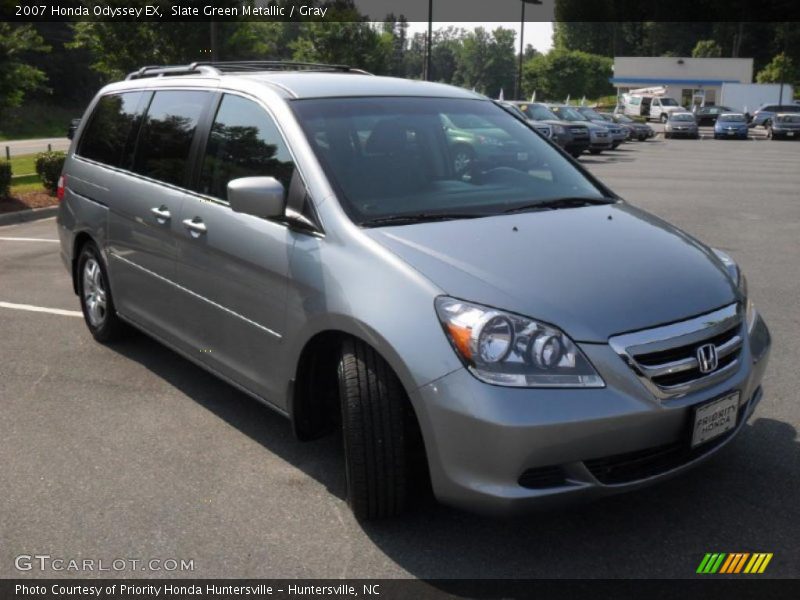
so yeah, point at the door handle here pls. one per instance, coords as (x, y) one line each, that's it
(161, 213)
(195, 226)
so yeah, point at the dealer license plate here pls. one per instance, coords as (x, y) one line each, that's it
(731, 132)
(715, 418)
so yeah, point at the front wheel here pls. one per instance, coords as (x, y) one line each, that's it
(376, 433)
(664, 117)
(594, 151)
(94, 291)
(770, 134)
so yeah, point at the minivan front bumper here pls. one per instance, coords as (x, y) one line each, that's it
(501, 450)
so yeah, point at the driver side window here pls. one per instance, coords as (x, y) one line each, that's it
(243, 142)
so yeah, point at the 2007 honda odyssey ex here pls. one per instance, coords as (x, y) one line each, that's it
(502, 324)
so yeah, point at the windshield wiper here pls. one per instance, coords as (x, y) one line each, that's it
(418, 218)
(556, 203)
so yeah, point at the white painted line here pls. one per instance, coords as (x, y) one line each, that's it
(21, 239)
(52, 311)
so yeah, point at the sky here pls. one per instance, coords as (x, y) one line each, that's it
(538, 34)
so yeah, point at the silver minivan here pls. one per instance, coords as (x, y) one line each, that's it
(505, 329)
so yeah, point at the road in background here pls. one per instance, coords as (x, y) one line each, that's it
(132, 451)
(20, 147)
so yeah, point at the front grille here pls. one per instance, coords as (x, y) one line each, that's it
(641, 464)
(579, 132)
(666, 358)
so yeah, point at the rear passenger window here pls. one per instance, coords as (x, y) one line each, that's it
(244, 142)
(165, 139)
(112, 129)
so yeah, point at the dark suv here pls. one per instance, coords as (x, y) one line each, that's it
(572, 137)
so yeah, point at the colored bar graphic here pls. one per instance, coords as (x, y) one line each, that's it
(718, 563)
(722, 563)
(765, 563)
(741, 562)
(729, 562)
(703, 563)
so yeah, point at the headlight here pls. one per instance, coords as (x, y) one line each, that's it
(736, 275)
(506, 349)
(559, 129)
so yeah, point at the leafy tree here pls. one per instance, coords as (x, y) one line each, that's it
(487, 61)
(560, 73)
(780, 68)
(707, 49)
(18, 77)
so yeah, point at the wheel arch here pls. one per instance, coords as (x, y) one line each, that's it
(313, 382)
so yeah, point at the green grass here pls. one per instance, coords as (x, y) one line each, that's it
(24, 164)
(37, 120)
(23, 175)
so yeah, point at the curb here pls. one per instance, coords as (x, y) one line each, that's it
(30, 214)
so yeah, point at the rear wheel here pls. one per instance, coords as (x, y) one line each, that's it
(377, 433)
(94, 291)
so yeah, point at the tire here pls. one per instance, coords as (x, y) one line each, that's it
(94, 292)
(667, 135)
(664, 117)
(376, 432)
(770, 134)
(768, 124)
(594, 151)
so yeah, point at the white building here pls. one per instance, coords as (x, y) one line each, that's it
(687, 80)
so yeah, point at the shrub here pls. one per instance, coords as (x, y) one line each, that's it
(5, 178)
(48, 167)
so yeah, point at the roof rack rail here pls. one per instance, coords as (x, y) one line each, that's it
(221, 67)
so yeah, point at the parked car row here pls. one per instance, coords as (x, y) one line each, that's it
(578, 129)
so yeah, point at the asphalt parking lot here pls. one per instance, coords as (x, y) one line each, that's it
(131, 451)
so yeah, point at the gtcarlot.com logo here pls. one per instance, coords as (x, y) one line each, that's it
(734, 563)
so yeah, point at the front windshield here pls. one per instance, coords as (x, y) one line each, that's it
(591, 114)
(570, 114)
(668, 102)
(537, 112)
(389, 157)
(732, 118)
(682, 117)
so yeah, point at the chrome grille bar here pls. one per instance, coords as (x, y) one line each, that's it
(664, 358)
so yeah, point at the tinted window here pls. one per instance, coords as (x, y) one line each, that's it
(244, 142)
(392, 156)
(112, 129)
(162, 151)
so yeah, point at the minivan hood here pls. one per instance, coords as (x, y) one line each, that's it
(592, 271)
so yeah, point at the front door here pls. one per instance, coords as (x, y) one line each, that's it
(235, 266)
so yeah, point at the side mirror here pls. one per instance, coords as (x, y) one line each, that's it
(263, 197)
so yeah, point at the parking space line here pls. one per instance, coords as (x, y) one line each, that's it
(25, 239)
(52, 311)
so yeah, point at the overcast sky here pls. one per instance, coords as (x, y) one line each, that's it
(538, 34)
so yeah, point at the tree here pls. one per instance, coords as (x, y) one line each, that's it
(780, 69)
(560, 73)
(487, 61)
(707, 49)
(17, 77)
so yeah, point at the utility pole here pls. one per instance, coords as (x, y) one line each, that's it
(429, 42)
(518, 91)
